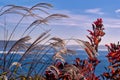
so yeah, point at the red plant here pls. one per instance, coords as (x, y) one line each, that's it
(96, 34)
(87, 68)
(113, 56)
(98, 23)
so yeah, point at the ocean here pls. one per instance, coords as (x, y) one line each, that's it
(47, 60)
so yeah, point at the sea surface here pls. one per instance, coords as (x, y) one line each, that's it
(47, 60)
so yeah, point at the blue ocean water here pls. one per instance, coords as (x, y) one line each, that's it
(47, 60)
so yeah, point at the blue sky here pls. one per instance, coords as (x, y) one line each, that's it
(81, 14)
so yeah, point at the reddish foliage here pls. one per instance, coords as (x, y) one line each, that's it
(98, 23)
(97, 33)
(114, 60)
(82, 69)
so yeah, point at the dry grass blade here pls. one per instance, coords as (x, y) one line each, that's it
(63, 51)
(38, 9)
(72, 71)
(70, 68)
(39, 39)
(88, 48)
(42, 37)
(35, 23)
(6, 7)
(15, 47)
(20, 8)
(55, 16)
(20, 47)
(66, 51)
(3, 77)
(16, 64)
(45, 20)
(57, 56)
(53, 69)
(58, 42)
(71, 51)
(57, 45)
(17, 12)
(19, 43)
(44, 5)
(24, 11)
(57, 39)
(23, 46)
(41, 5)
(14, 8)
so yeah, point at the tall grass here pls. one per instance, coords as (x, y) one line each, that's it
(40, 46)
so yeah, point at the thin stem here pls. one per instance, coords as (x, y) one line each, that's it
(5, 55)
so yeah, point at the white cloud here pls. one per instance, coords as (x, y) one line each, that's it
(112, 22)
(95, 11)
(117, 11)
(78, 20)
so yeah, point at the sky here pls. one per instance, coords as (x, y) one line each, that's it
(82, 13)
